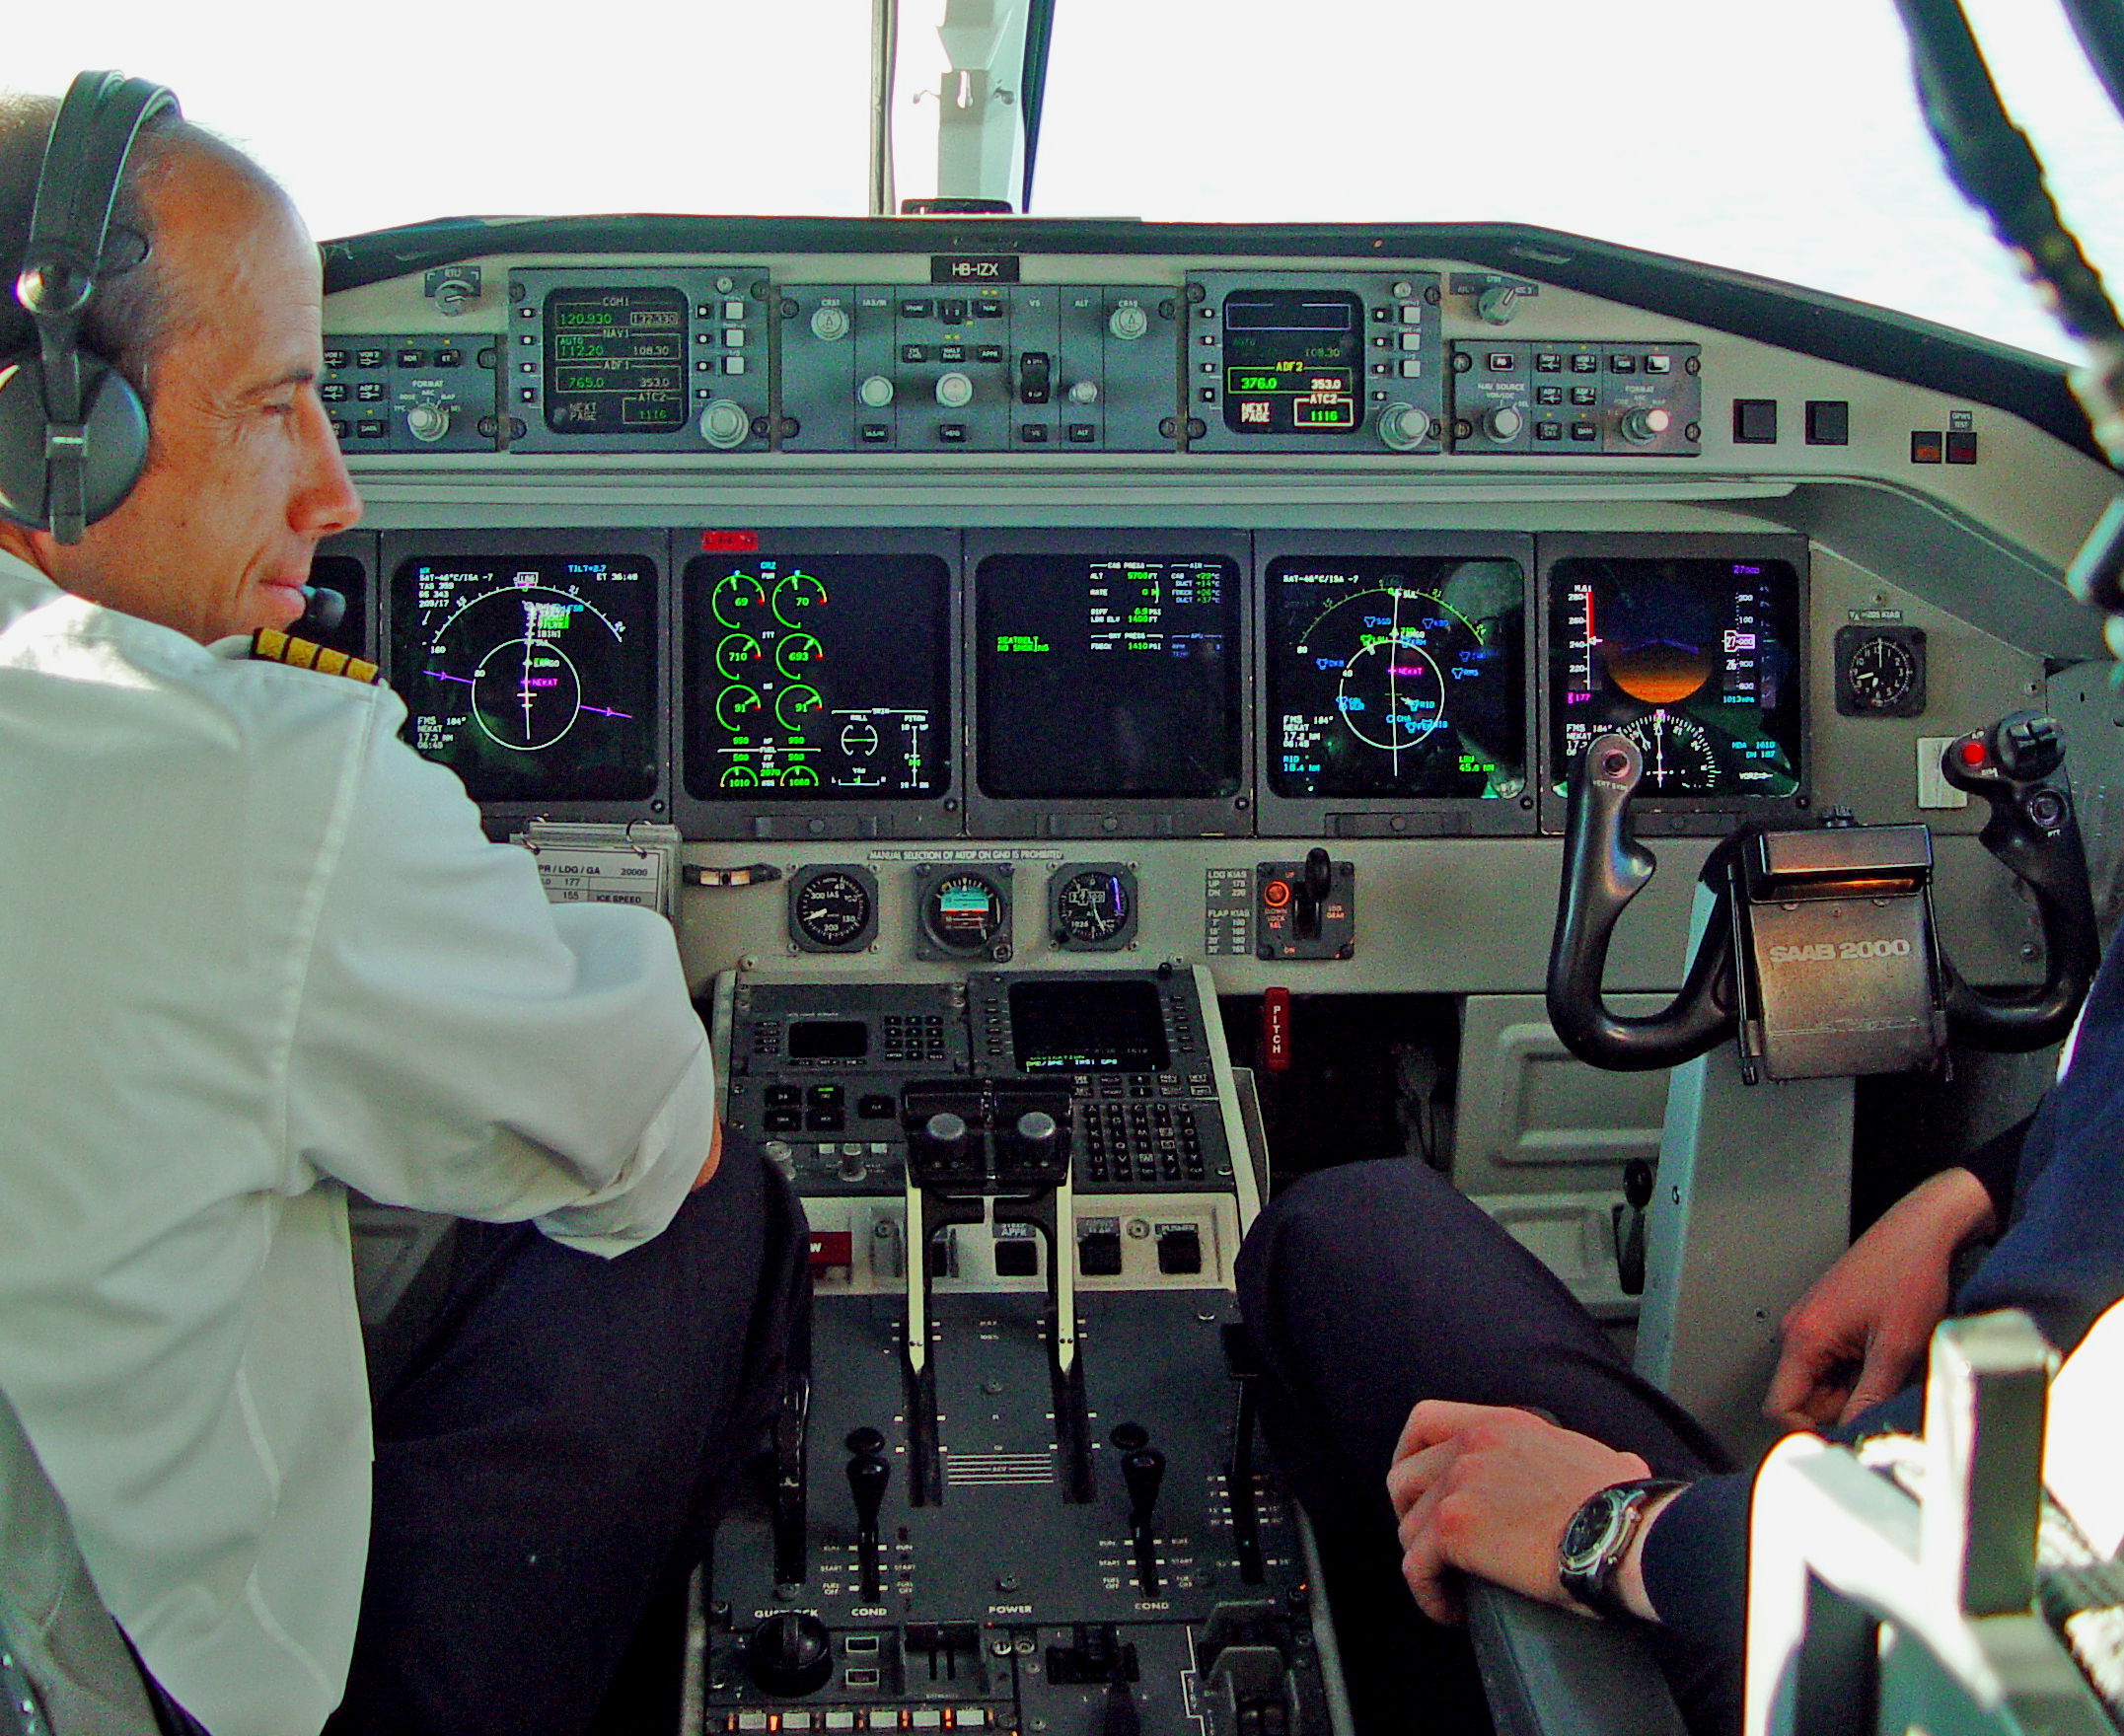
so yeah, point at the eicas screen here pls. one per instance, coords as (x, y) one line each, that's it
(1108, 676)
(533, 678)
(817, 677)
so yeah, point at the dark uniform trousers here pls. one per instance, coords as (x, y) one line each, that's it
(552, 1459)
(1370, 1286)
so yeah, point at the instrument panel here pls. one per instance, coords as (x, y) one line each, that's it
(996, 587)
(1068, 682)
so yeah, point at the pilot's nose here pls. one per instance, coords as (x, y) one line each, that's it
(325, 500)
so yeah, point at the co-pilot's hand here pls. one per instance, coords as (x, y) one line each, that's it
(1860, 1331)
(1488, 1490)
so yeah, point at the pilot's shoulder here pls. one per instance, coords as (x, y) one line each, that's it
(270, 646)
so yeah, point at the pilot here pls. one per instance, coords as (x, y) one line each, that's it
(1444, 1407)
(255, 952)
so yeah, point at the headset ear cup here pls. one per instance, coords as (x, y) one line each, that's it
(21, 440)
(117, 449)
(116, 443)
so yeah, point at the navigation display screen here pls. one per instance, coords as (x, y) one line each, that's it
(1107, 677)
(1087, 1027)
(1294, 361)
(615, 360)
(532, 677)
(1696, 660)
(1396, 677)
(817, 677)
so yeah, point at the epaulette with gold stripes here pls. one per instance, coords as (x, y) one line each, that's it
(269, 646)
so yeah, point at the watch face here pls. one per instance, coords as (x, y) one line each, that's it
(1591, 1529)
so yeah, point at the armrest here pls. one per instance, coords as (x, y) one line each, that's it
(1550, 1673)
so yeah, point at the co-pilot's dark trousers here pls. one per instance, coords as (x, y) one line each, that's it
(1372, 1285)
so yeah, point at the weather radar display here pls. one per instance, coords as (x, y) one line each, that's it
(1397, 677)
(533, 679)
(1695, 660)
(821, 677)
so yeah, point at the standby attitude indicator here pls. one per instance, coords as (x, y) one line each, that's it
(532, 679)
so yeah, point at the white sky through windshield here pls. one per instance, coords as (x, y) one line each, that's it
(1782, 140)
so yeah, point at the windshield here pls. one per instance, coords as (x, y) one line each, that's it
(1779, 140)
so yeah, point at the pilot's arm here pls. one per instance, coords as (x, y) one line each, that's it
(465, 1047)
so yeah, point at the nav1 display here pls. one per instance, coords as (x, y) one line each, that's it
(1696, 660)
(533, 679)
(1396, 677)
(818, 679)
(1108, 676)
(615, 360)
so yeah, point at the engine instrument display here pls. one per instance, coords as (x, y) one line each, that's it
(1294, 361)
(1107, 677)
(615, 360)
(533, 679)
(1396, 677)
(1695, 659)
(824, 678)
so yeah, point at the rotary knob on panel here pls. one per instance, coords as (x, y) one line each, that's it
(875, 392)
(954, 390)
(1504, 424)
(1641, 427)
(830, 325)
(1128, 322)
(1402, 426)
(426, 420)
(724, 424)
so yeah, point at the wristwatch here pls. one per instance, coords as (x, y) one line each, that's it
(1597, 1538)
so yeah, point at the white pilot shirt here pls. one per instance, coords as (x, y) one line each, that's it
(252, 947)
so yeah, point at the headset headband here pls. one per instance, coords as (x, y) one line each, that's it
(69, 229)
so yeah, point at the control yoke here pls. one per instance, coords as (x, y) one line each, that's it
(1604, 868)
(1836, 970)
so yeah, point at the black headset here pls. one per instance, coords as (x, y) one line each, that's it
(73, 431)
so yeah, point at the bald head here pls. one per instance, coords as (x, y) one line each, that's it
(179, 174)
